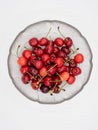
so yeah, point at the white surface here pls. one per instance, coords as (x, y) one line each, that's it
(16, 111)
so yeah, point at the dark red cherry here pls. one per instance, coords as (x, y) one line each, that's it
(66, 50)
(49, 48)
(68, 42)
(76, 71)
(43, 41)
(39, 52)
(33, 42)
(61, 69)
(56, 90)
(47, 81)
(25, 78)
(52, 57)
(56, 50)
(33, 71)
(61, 54)
(59, 41)
(44, 89)
(52, 70)
(72, 63)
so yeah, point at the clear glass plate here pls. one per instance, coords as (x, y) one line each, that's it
(40, 30)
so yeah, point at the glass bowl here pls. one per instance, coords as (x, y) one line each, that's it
(40, 30)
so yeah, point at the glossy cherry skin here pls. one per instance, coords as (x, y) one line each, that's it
(61, 54)
(25, 78)
(39, 52)
(49, 48)
(22, 61)
(38, 64)
(59, 41)
(45, 58)
(52, 57)
(43, 71)
(76, 71)
(43, 41)
(24, 69)
(61, 69)
(56, 89)
(33, 42)
(47, 81)
(65, 75)
(79, 58)
(66, 50)
(51, 70)
(68, 42)
(57, 80)
(59, 61)
(34, 84)
(72, 63)
(27, 53)
(33, 59)
(71, 79)
(44, 89)
(56, 50)
(33, 71)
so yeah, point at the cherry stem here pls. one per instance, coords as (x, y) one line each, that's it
(46, 74)
(27, 48)
(48, 32)
(55, 81)
(51, 91)
(74, 51)
(62, 87)
(60, 77)
(60, 32)
(17, 50)
(31, 76)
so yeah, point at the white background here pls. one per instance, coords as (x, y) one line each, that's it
(16, 111)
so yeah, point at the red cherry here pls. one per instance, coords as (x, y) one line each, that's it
(33, 59)
(56, 50)
(61, 69)
(27, 53)
(71, 79)
(33, 71)
(24, 69)
(38, 64)
(33, 42)
(45, 58)
(67, 69)
(35, 49)
(68, 42)
(65, 75)
(76, 71)
(59, 61)
(49, 48)
(72, 63)
(43, 71)
(44, 89)
(47, 81)
(56, 90)
(57, 80)
(52, 70)
(34, 84)
(59, 42)
(39, 52)
(61, 54)
(66, 50)
(79, 58)
(22, 61)
(25, 78)
(43, 41)
(52, 57)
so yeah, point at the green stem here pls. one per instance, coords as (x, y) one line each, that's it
(60, 32)
(48, 32)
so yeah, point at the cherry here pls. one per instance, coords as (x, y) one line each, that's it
(61, 54)
(34, 85)
(71, 79)
(57, 80)
(56, 89)
(68, 42)
(79, 58)
(33, 71)
(43, 71)
(49, 48)
(25, 78)
(22, 61)
(76, 71)
(56, 50)
(52, 70)
(65, 75)
(27, 53)
(39, 52)
(59, 61)
(44, 89)
(33, 42)
(67, 69)
(33, 59)
(24, 69)
(66, 50)
(72, 63)
(59, 41)
(35, 49)
(45, 58)
(52, 57)
(38, 64)
(67, 58)
(61, 69)
(47, 81)
(43, 41)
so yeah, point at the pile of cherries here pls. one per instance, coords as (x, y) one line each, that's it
(49, 63)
